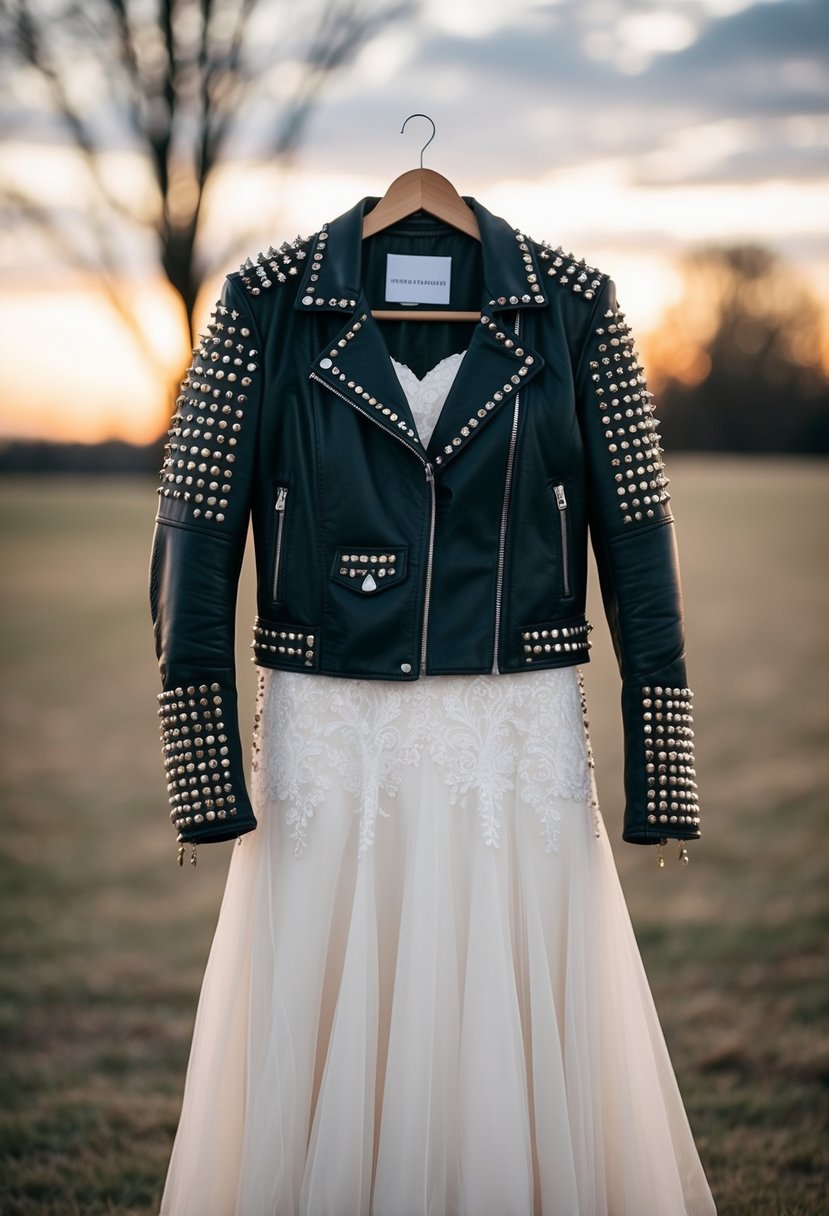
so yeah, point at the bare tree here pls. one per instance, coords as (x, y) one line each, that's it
(180, 84)
(740, 356)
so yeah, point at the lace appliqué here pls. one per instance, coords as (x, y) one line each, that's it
(489, 737)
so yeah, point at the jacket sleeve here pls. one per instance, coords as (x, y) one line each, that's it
(633, 539)
(197, 549)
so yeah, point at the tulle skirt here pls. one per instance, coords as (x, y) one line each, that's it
(424, 996)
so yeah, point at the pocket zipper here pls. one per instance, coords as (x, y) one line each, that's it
(279, 507)
(561, 502)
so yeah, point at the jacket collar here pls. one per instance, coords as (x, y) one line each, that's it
(355, 364)
(332, 276)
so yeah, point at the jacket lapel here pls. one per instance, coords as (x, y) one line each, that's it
(496, 366)
(356, 367)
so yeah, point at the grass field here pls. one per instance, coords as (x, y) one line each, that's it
(105, 938)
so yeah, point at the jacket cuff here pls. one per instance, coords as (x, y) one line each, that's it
(660, 777)
(203, 761)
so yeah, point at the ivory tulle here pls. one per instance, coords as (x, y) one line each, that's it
(424, 996)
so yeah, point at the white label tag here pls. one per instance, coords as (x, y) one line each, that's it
(415, 279)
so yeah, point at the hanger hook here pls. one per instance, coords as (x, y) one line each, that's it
(429, 140)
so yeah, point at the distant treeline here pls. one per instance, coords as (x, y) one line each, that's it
(741, 357)
(46, 456)
(718, 417)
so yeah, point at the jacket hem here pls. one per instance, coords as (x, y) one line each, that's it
(277, 664)
(228, 831)
(670, 831)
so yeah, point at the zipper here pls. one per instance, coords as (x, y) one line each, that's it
(561, 502)
(430, 478)
(279, 507)
(502, 542)
(365, 413)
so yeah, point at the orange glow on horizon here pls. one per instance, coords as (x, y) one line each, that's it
(75, 370)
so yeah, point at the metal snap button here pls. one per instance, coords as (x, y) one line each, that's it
(325, 364)
(405, 667)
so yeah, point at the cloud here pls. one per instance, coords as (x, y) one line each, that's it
(534, 87)
(769, 59)
(741, 151)
(561, 85)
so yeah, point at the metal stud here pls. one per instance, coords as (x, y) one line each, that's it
(197, 400)
(288, 642)
(618, 366)
(555, 639)
(667, 727)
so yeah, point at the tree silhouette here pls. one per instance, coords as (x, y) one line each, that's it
(741, 356)
(182, 84)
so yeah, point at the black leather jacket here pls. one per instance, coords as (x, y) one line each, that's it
(381, 558)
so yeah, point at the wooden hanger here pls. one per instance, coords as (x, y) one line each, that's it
(422, 190)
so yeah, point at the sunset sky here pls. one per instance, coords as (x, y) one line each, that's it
(627, 132)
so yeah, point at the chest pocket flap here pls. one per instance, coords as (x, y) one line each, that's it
(369, 570)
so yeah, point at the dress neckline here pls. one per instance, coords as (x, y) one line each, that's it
(427, 396)
(407, 371)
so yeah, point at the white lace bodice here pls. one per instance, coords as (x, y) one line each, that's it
(490, 737)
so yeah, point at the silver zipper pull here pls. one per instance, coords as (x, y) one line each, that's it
(430, 473)
(282, 494)
(561, 499)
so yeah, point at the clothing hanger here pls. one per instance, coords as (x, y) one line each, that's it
(422, 190)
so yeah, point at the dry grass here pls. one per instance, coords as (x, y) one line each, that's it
(105, 938)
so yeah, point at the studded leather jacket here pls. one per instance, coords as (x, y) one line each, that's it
(384, 558)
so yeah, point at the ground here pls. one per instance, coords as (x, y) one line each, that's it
(105, 938)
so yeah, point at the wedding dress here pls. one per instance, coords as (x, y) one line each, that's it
(424, 996)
